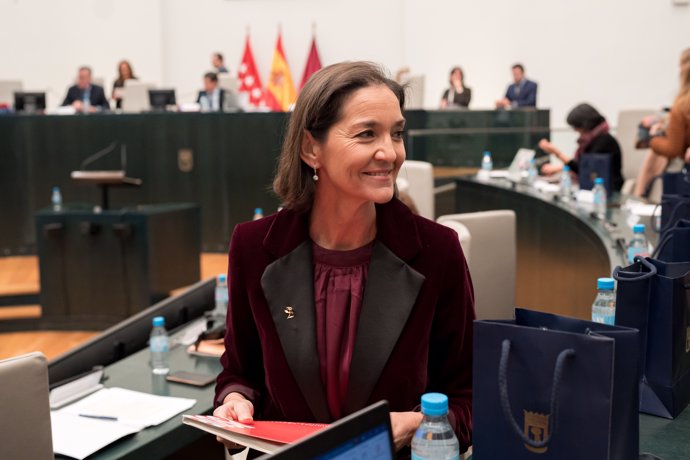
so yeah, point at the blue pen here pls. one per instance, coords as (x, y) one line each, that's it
(99, 417)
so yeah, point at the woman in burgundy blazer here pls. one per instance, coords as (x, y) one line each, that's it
(414, 329)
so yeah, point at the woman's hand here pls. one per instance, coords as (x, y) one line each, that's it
(404, 425)
(235, 407)
(656, 128)
(550, 168)
(547, 146)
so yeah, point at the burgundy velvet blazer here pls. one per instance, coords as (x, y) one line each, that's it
(415, 327)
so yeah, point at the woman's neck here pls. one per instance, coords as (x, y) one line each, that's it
(338, 225)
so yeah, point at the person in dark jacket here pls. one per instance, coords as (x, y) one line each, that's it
(594, 138)
(85, 96)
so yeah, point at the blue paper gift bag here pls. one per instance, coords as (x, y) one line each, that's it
(653, 296)
(551, 387)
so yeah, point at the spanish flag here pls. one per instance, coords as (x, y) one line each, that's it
(280, 93)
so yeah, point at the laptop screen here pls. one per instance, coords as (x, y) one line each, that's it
(366, 434)
(373, 444)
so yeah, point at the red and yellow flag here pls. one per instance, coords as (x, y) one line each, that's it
(280, 93)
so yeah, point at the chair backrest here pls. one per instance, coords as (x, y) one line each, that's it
(227, 82)
(414, 95)
(7, 90)
(100, 81)
(25, 409)
(493, 261)
(626, 133)
(420, 178)
(135, 96)
(463, 235)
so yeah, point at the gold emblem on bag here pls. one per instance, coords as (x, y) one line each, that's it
(289, 312)
(537, 429)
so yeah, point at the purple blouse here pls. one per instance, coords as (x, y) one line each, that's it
(339, 279)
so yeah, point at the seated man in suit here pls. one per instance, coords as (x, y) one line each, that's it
(85, 96)
(211, 99)
(522, 93)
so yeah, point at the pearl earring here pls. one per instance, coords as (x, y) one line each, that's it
(315, 176)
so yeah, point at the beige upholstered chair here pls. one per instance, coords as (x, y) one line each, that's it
(493, 260)
(25, 409)
(7, 90)
(419, 178)
(463, 235)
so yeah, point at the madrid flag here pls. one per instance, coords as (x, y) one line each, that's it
(313, 64)
(280, 93)
(249, 79)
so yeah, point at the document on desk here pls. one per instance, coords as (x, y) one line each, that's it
(101, 418)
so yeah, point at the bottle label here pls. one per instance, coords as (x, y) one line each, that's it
(604, 319)
(417, 457)
(159, 344)
(636, 251)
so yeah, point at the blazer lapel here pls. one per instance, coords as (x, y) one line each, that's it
(288, 286)
(390, 293)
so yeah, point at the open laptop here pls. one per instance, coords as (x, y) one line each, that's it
(519, 164)
(364, 434)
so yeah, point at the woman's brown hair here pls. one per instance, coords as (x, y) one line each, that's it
(319, 107)
(120, 77)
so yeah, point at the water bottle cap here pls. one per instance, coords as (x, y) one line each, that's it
(434, 404)
(566, 168)
(222, 278)
(605, 283)
(486, 152)
(158, 321)
(258, 211)
(638, 228)
(56, 189)
(599, 181)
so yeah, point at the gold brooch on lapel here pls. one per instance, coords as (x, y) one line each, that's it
(289, 312)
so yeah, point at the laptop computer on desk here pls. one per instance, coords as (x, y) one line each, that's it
(364, 434)
(519, 164)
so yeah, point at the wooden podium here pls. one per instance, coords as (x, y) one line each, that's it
(105, 180)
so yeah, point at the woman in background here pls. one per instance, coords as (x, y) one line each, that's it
(594, 138)
(457, 95)
(124, 70)
(345, 297)
(672, 142)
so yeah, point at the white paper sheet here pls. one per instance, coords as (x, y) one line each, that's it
(79, 437)
(131, 408)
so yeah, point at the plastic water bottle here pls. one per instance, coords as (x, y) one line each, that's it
(487, 166)
(599, 198)
(435, 439)
(258, 214)
(532, 172)
(221, 296)
(56, 199)
(566, 189)
(638, 245)
(159, 346)
(86, 101)
(604, 306)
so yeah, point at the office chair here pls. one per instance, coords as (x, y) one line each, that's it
(493, 262)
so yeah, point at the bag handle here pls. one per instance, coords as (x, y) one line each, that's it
(668, 236)
(555, 389)
(684, 201)
(638, 259)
